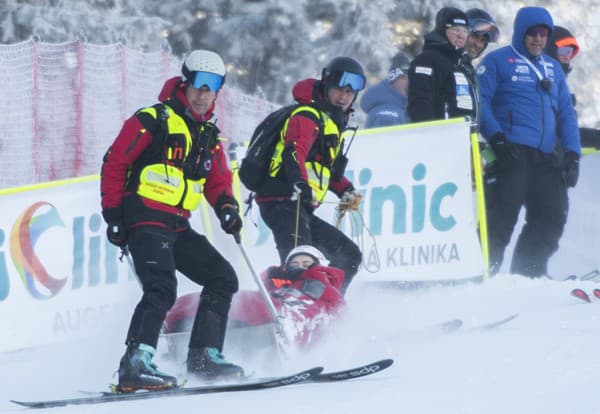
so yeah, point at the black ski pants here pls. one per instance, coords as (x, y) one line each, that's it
(339, 249)
(533, 180)
(157, 252)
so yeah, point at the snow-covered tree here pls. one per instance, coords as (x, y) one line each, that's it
(269, 44)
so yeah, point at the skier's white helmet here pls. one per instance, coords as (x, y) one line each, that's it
(204, 68)
(309, 251)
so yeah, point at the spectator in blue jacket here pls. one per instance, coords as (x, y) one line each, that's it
(385, 103)
(526, 107)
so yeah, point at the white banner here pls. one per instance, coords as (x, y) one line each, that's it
(60, 279)
(417, 221)
(418, 209)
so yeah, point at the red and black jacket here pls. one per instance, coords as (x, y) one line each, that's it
(139, 143)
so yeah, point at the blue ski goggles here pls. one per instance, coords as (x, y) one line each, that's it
(208, 79)
(355, 81)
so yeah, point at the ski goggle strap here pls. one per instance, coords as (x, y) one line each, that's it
(209, 79)
(355, 81)
(485, 28)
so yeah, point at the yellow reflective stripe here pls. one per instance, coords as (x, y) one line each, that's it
(318, 179)
(193, 195)
(166, 184)
(163, 183)
(175, 125)
(276, 158)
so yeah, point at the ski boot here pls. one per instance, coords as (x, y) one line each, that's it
(136, 371)
(210, 364)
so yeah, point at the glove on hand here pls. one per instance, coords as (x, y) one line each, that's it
(503, 148)
(302, 189)
(351, 200)
(571, 169)
(230, 219)
(116, 232)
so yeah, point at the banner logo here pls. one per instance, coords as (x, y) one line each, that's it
(24, 235)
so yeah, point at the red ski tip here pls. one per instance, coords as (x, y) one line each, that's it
(597, 293)
(580, 294)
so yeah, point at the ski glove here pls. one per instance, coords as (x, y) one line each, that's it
(230, 219)
(116, 232)
(302, 189)
(571, 169)
(503, 148)
(351, 200)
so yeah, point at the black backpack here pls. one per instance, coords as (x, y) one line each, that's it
(254, 168)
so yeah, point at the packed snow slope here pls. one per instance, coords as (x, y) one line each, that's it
(544, 361)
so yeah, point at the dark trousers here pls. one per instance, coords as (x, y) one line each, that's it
(340, 250)
(157, 252)
(534, 181)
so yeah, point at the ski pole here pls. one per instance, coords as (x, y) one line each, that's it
(125, 252)
(261, 287)
(296, 197)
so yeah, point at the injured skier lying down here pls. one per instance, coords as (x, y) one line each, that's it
(304, 291)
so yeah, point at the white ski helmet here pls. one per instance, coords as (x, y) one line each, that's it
(206, 63)
(309, 251)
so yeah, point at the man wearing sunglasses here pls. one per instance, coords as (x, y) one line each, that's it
(154, 174)
(441, 79)
(526, 108)
(308, 161)
(482, 31)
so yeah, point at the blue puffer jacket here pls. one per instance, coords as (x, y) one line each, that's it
(384, 106)
(513, 100)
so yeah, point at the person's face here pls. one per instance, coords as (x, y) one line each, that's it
(200, 99)
(535, 40)
(401, 85)
(457, 36)
(341, 97)
(301, 261)
(475, 44)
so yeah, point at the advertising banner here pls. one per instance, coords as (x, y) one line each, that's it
(60, 278)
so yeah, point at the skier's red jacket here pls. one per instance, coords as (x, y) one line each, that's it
(302, 134)
(131, 143)
(307, 304)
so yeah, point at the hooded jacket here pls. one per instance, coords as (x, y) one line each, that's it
(384, 106)
(513, 100)
(137, 145)
(441, 82)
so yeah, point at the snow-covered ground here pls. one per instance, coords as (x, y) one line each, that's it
(544, 361)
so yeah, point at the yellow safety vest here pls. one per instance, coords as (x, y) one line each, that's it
(165, 182)
(318, 174)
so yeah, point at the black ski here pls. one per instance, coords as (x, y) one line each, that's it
(310, 375)
(208, 389)
(494, 324)
(356, 372)
(454, 325)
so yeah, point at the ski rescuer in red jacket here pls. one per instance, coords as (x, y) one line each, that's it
(309, 160)
(154, 174)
